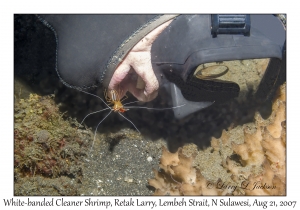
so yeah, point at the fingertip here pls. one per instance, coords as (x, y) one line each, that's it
(119, 76)
(140, 94)
(151, 96)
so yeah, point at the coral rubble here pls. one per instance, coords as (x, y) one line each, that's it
(45, 145)
(253, 163)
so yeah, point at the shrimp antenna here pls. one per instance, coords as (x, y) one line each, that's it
(97, 128)
(130, 122)
(95, 96)
(93, 113)
(143, 107)
(131, 102)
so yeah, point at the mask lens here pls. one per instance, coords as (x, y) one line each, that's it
(246, 73)
(209, 72)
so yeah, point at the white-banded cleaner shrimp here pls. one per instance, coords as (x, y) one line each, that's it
(114, 103)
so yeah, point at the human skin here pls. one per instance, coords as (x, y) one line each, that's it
(135, 73)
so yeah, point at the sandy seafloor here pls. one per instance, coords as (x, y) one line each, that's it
(122, 160)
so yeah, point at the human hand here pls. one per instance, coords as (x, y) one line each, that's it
(135, 73)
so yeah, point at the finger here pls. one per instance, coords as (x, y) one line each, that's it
(143, 67)
(129, 84)
(139, 94)
(146, 43)
(119, 76)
